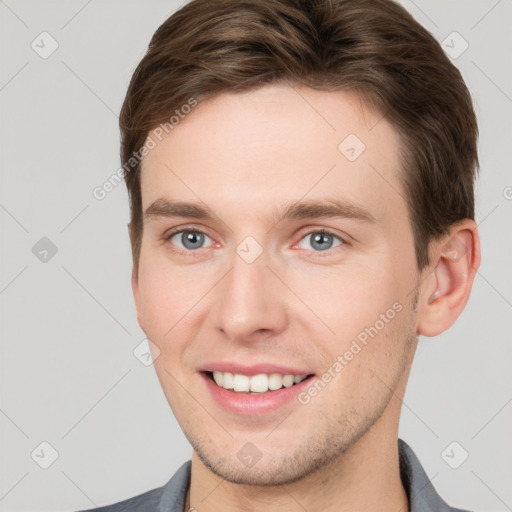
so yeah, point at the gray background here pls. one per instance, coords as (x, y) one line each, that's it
(68, 330)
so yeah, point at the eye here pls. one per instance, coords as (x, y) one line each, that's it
(190, 240)
(321, 240)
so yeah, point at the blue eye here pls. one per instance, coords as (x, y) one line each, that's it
(190, 240)
(322, 240)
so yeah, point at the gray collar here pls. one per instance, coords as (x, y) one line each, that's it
(420, 491)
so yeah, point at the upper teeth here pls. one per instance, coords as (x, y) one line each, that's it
(257, 383)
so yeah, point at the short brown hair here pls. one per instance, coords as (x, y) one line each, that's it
(374, 47)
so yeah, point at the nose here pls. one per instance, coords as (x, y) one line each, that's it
(250, 302)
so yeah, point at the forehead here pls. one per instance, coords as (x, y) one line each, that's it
(255, 151)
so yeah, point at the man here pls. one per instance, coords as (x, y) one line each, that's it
(301, 184)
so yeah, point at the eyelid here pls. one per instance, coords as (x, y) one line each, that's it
(171, 232)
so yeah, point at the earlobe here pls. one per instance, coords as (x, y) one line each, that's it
(455, 260)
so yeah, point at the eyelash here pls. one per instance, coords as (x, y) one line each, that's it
(328, 252)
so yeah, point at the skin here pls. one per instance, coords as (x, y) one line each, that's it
(246, 156)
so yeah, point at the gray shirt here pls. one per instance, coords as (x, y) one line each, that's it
(171, 497)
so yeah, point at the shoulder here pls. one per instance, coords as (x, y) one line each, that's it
(169, 498)
(145, 502)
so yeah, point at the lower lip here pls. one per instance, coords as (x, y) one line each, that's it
(246, 404)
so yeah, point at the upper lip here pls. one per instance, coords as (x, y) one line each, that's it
(253, 369)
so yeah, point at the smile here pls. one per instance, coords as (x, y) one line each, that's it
(251, 391)
(255, 384)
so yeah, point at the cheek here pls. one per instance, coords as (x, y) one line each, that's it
(368, 358)
(172, 297)
(346, 298)
(367, 309)
(162, 296)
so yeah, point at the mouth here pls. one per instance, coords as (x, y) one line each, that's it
(255, 390)
(258, 394)
(259, 384)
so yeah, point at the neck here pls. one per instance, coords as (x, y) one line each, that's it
(365, 477)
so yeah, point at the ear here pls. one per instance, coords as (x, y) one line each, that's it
(455, 259)
(135, 284)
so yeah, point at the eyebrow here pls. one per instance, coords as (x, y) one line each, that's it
(309, 209)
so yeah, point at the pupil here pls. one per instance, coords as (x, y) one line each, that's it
(322, 239)
(192, 240)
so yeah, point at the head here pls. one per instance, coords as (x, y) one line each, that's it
(301, 188)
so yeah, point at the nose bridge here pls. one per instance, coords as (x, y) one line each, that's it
(248, 301)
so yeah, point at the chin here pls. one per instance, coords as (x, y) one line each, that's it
(285, 469)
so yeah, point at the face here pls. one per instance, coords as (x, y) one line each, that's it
(277, 249)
